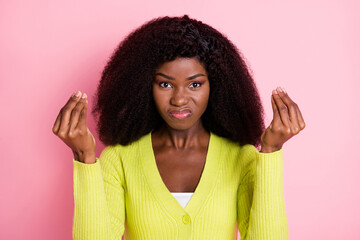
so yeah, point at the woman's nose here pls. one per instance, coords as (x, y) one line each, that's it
(179, 98)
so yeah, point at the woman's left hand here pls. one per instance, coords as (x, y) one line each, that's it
(287, 122)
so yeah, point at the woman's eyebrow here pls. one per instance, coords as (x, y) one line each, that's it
(165, 76)
(195, 76)
(189, 78)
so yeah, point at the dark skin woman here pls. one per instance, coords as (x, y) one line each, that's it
(184, 83)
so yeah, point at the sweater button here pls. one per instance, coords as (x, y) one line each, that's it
(186, 219)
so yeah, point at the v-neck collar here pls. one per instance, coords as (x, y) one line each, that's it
(160, 191)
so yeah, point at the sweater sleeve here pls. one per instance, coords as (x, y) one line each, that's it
(99, 211)
(261, 205)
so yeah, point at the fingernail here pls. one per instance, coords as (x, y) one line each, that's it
(283, 90)
(84, 95)
(280, 89)
(274, 91)
(76, 94)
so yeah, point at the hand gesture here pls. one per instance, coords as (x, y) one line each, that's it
(70, 126)
(287, 122)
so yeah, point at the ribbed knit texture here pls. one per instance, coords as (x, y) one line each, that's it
(122, 194)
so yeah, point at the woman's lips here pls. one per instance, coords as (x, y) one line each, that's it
(180, 114)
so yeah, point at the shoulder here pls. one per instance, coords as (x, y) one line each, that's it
(118, 151)
(236, 157)
(228, 145)
(242, 156)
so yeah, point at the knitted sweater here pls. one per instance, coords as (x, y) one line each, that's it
(122, 194)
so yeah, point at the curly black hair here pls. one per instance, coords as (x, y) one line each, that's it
(124, 103)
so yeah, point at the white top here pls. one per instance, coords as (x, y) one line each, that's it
(183, 197)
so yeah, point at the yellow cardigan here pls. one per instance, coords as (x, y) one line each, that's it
(123, 194)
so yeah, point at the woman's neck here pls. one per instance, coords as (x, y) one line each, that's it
(182, 139)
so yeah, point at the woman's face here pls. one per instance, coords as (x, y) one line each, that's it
(181, 92)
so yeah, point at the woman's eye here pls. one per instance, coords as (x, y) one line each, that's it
(195, 85)
(165, 85)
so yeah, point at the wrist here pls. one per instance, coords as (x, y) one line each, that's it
(269, 149)
(85, 157)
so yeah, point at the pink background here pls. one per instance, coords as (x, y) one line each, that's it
(48, 49)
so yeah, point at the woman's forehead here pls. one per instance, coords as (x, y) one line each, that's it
(181, 66)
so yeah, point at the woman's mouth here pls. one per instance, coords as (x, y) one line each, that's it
(180, 114)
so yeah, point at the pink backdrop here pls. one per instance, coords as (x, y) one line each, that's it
(48, 49)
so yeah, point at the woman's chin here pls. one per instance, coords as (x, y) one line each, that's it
(183, 125)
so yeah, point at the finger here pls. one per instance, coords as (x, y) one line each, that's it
(66, 114)
(82, 120)
(56, 126)
(75, 96)
(276, 115)
(75, 115)
(300, 119)
(292, 110)
(282, 109)
(276, 124)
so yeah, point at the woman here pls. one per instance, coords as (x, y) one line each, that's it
(181, 116)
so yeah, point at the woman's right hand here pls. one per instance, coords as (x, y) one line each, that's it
(70, 126)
